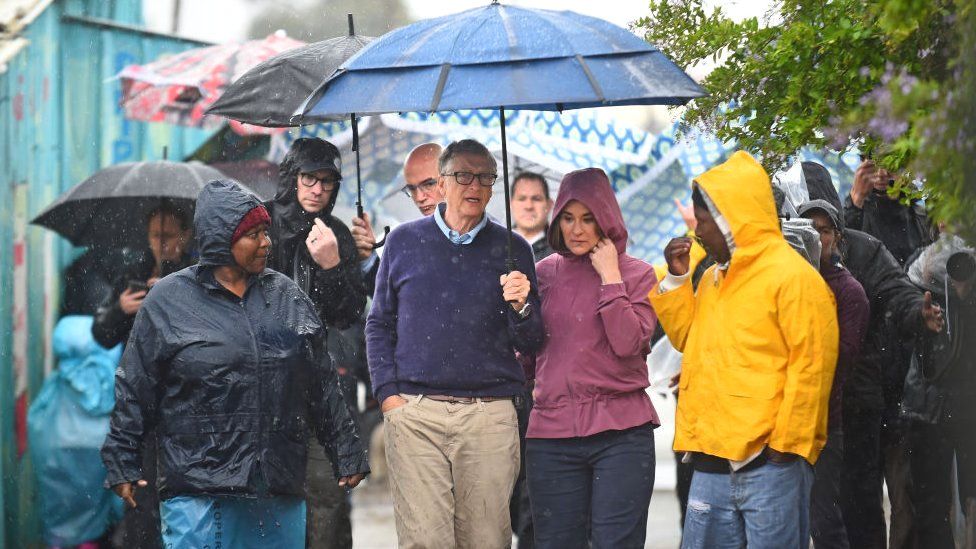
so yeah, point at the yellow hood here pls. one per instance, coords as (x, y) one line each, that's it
(741, 191)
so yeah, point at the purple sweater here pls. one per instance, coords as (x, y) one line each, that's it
(853, 313)
(439, 325)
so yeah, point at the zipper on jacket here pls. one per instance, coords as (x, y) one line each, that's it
(257, 364)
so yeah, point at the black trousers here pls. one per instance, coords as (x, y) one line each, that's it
(826, 515)
(934, 448)
(520, 507)
(139, 527)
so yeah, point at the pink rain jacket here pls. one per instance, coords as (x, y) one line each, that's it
(591, 372)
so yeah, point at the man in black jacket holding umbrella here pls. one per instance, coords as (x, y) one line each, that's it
(317, 251)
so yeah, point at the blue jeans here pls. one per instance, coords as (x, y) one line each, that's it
(591, 491)
(203, 521)
(764, 508)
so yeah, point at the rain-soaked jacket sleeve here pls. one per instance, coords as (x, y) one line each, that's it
(333, 425)
(888, 288)
(338, 292)
(111, 325)
(807, 317)
(381, 335)
(627, 316)
(853, 215)
(675, 311)
(135, 401)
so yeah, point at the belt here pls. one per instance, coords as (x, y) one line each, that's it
(466, 400)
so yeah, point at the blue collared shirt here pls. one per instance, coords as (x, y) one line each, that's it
(454, 236)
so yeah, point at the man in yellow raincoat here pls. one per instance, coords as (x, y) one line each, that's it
(759, 339)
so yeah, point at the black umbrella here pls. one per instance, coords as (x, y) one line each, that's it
(111, 206)
(269, 94)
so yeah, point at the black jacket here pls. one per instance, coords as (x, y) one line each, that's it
(338, 293)
(896, 305)
(941, 380)
(112, 326)
(903, 229)
(541, 248)
(230, 384)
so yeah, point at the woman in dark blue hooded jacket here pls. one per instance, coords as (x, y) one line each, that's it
(227, 360)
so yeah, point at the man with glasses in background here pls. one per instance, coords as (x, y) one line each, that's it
(448, 316)
(316, 250)
(420, 173)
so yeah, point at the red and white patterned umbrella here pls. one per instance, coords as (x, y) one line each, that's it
(179, 88)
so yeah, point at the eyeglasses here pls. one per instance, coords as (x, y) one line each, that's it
(466, 178)
(328, 183)
(423, 187)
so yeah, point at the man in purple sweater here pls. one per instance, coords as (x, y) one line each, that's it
(853, 312)
(448, 316)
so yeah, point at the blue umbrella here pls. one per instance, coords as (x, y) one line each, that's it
(502, 57)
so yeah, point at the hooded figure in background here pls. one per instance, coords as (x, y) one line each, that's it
(227, 359)
(317, 251)
(311, 246)
(940, 394)
(874, 387)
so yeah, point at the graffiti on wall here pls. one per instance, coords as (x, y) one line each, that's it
(20, 325)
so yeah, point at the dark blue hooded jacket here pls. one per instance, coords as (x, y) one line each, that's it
(232, 385)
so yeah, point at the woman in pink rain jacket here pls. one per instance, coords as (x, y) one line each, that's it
(590, 442)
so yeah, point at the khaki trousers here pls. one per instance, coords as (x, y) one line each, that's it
(452, 470)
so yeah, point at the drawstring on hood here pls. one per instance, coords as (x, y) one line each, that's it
(592, 188)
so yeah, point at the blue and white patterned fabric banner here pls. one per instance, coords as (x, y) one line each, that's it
(648, 171)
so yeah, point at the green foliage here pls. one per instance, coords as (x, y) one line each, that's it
(885, 75)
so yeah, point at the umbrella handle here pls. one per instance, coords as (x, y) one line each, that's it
(379, 244)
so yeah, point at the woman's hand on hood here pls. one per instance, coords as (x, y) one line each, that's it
(606, 261)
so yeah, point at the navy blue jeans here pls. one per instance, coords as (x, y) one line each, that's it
(591, 491)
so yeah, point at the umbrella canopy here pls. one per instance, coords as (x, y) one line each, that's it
(179, 88)
(111, 206)
(268, 94)
(503, 56)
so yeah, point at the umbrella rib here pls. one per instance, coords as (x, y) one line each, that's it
(589, 76)
(441, 82)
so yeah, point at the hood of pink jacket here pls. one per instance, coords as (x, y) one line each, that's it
(591, 186)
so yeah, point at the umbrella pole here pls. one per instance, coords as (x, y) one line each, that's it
(359, 179)
(510, 262)
(360, 211)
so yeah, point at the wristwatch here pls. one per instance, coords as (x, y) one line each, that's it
(525, 311)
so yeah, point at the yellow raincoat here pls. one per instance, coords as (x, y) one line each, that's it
(759, 340)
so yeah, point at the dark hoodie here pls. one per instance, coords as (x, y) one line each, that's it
(230, 383)
(591, 373)
(337, 293)
(896, 304)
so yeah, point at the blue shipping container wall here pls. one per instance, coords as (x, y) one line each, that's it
(60, 123)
